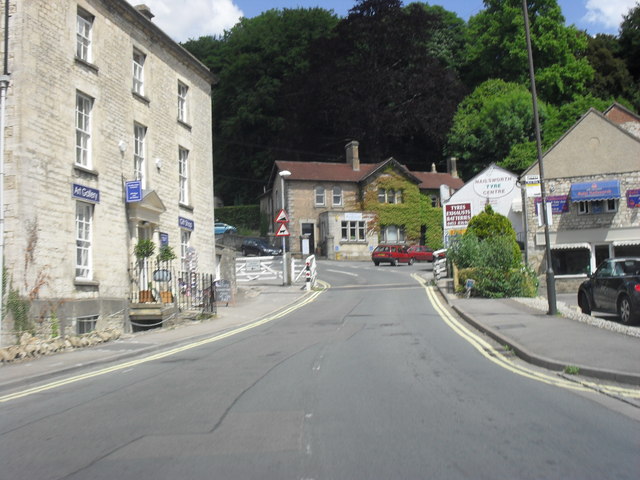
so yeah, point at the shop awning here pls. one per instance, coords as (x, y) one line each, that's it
(593, 191)
(570, 246)
(626, 243)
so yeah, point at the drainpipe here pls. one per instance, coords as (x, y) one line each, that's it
(4, 85)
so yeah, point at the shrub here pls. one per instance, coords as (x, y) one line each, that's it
(240, 216)
(492, 283)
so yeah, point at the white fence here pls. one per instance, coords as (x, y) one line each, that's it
(269, 269)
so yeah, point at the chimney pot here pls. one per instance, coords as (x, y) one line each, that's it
(145, 10)
(453, 167)
(352, 155)
(433, 168)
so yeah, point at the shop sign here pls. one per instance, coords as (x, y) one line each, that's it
(559, 203)
(457, 215)
(186, 223)
(494, 185)
(633, 198)
(133, 191)
(85, 193)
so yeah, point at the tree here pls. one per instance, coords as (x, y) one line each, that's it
(253, 61)
(376, 80)
(612, 78)
(496, 48)
(488, 122)
(630, 41)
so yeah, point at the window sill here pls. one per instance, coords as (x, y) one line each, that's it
(89, 171)
(142, 98)
(184, 206)
(90, 66)
(81, 282)
(184, 124)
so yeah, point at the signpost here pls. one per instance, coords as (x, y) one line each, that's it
(282, 231)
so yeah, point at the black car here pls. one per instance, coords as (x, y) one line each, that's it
(613, 288)
(260, 247)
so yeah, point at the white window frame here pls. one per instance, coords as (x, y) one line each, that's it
(86, 324)
(84, 30)
(584, 208)
(399, 233)
(84, 227)
(353, 231)
(185, 240)
(84, 106)
(183, 175)
(138, 72)
(611, 205)
(183, 92)
(139, 153)
(336, 196)
(319, 194)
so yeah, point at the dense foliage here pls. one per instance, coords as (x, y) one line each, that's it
(297, 84)
(240, 216)
(489, 254)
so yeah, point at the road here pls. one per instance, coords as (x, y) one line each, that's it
(369, 381)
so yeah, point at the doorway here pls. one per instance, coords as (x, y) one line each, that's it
(308, 229)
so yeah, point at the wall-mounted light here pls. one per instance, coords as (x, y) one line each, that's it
(158, 163)
(122, 145)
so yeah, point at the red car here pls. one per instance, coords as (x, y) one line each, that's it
(421, 253)
(392, 254)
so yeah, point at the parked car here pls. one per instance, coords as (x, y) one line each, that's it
(421, 253)
(613, 288)
(222, 228)
(392, 254)
(260, 247)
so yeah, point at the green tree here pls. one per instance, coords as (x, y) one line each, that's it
(377, 80)
(253, 61)
(630, 41)
(488, 122)
(612, 78)
(496, 48)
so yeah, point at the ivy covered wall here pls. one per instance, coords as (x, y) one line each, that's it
(414, 211)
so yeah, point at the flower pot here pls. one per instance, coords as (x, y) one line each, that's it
(145, 296)
(166, 297)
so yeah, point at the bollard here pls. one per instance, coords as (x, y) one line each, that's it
(307, 285)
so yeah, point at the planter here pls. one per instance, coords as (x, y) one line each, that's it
(166, 297)
(145, 296)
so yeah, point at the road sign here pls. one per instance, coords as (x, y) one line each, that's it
(282, 217)
(283, 231)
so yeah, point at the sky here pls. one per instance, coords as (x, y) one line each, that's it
(190, 19)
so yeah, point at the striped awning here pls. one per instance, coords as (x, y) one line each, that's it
(570, 246)
(625, 243)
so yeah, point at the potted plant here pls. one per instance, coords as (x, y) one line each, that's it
(143, 250)
(166, 254)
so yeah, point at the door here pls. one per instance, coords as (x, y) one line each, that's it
(308, 229)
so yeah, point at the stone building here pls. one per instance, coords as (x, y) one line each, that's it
(592, 177)
(100, 98)
(326, 201)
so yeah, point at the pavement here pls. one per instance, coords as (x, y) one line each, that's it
(552, 342)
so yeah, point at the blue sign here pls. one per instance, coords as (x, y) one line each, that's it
(633, 198)
(591, 191)
(558, 204)
(133, 191)
(85, 193)
(164, 239)
(186, 223)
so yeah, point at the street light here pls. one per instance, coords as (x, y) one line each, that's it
(283, 174)
(551, 281)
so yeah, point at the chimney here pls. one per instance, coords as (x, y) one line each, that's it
(144, 10)
(453, 168)
(433, 168)
(352, 155)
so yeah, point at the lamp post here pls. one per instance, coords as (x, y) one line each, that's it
(283, 174)
(551, 282)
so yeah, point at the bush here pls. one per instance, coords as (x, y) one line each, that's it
(492, 252)
(491, 283)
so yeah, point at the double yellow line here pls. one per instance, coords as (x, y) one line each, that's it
(498, 357)
(121, 366)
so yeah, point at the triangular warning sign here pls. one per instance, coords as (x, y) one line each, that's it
(282, 231)
(282, 216)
